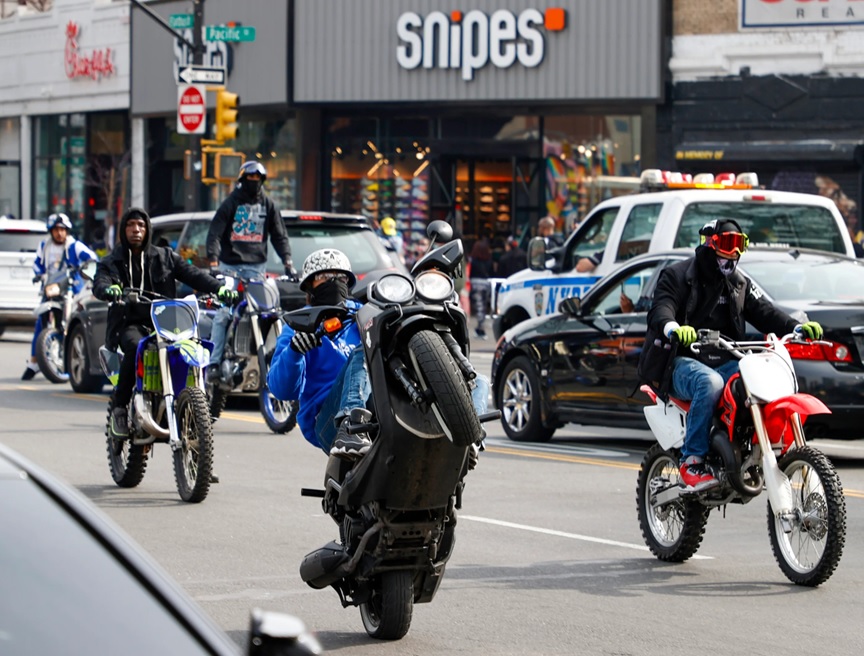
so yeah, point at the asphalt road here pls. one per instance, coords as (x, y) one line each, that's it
(549, 557)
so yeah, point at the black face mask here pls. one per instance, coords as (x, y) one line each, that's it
(332, 292)
(250, 188)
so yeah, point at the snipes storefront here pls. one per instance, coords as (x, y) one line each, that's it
(489, 115)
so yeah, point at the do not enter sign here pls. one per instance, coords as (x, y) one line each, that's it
(191, 110)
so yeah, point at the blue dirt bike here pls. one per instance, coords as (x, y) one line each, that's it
(169, 403)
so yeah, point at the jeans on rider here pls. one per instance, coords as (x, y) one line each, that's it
(702, 386)
(352, 390)
(223, 314)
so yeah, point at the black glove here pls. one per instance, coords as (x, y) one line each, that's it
(290, 271)
(305, 342)
(37, 278)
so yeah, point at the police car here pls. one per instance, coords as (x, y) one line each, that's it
(666, 214)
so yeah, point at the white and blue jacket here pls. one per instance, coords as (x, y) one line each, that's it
(75, 253)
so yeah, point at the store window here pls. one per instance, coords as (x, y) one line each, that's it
(274, 144)
(59, 161)
(10, 167)
(585, 155)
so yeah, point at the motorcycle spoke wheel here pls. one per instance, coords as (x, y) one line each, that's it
(49, 355)
(387, 614)
(811, 551)
(193, 460)
(672, 531)
(126, 461)
(280, 416)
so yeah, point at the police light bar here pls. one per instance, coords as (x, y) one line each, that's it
(655, 179)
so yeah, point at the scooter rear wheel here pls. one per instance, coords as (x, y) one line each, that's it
(673, 531)
(809, 554)
(193, 461)
(387, 614)
(126, 461)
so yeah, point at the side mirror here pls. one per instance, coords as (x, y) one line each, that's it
(439, 231)
(537, 254)
(278, 633)
(571, 306)
(88, 269)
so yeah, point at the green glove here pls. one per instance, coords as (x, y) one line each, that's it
(811, 330)
(113, 293)
(226, 294)
(686, 335)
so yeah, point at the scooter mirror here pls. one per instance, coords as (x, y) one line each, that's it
(439, 231)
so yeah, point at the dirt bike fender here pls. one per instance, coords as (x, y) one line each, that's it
(47, 306)
(777, 413)
(668, 423)
(193, 353)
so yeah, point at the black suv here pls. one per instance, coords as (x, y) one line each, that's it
(186, 233)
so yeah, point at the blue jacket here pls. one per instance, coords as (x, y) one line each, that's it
(76, 253)
(310, 377)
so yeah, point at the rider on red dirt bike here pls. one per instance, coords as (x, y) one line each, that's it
(706, 291)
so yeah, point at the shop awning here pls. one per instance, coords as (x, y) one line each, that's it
(809, 149)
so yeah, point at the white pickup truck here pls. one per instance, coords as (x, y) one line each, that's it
(623, 227)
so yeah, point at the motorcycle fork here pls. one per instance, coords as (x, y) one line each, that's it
(778, 485)
(168, 395)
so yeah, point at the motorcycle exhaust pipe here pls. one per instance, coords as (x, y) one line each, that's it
(731, 458)
(321, 567)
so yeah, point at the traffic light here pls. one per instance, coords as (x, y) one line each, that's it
(226, 115)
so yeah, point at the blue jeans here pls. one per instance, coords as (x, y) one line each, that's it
(702, 386)
(223, 314)
(352, 390)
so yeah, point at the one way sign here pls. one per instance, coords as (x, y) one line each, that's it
(201, 75)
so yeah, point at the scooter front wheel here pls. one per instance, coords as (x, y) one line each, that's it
(49, 355)
(810, 552)
(193, 460)
(673, 531)
(387, 614)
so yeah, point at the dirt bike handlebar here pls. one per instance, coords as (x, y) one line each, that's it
(713, 339)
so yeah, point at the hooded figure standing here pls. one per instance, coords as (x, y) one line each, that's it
(137, 264)
(707, 291)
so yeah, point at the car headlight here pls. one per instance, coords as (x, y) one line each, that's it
(434, 286)
(394, 288)
(52, 290)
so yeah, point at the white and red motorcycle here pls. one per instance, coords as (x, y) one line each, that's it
(757, 443)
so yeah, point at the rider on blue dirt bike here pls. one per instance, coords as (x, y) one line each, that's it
(137, 264)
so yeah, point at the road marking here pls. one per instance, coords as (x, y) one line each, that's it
(562, 534)
(563, 458)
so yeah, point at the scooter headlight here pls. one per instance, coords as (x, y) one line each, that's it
(394, 288)
(52, 290)
(434, 286)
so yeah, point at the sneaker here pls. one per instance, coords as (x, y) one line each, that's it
(695, 477)
(119, 424)
(352, 445)
(31, 370)
(480, 334)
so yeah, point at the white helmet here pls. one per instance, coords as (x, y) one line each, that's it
(325, 259)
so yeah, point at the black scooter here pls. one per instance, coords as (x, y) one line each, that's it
(396, 506)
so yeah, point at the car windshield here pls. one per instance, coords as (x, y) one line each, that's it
(362, 247)
(20, 241)
(803, 226)
(809, 278)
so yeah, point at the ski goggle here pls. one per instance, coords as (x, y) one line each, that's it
(728, 244)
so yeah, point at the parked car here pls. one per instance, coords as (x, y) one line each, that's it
(19, 295)
(75, 583)
(579, 364)
(186, 233)
(664, 216)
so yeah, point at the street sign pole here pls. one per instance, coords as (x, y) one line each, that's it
(193, 183)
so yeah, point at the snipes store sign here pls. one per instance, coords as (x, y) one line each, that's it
(801, 13)
(468, 42)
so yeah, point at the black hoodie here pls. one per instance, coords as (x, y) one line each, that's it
(161, 268)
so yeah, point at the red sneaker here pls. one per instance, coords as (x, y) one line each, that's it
(695, 477)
